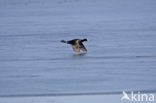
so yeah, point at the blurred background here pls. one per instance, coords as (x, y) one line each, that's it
(121, 48)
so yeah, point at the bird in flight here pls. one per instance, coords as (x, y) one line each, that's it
(77, 44)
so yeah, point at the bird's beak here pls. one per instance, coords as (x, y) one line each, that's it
(87, 40)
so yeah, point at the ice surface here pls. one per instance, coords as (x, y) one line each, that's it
(69, 99)
(121, 48)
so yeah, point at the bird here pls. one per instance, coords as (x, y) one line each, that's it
(77, 44)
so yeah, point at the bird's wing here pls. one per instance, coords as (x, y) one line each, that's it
(82, 47)
(76, 48)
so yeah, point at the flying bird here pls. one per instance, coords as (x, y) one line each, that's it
(77, 44)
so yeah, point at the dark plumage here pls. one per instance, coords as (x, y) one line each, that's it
(77, 44)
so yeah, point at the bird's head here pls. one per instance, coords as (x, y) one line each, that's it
(85, 39)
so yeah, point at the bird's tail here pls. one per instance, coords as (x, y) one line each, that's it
(63, 41)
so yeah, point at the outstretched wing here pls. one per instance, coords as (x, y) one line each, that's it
(76, 48)
(82, 47)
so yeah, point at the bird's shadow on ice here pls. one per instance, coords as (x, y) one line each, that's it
(80, 54)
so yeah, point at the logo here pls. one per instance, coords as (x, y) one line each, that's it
(137, 97)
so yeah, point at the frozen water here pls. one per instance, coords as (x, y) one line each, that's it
(121, 48)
